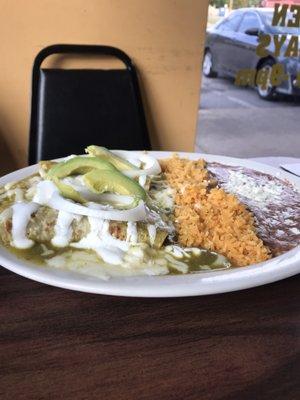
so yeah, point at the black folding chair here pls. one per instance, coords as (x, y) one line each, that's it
(72, 108)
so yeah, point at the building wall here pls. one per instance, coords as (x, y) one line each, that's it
(164, 38)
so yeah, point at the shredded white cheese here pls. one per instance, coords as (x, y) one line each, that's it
(260, 191)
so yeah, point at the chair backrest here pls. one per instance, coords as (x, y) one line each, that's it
(72, 108)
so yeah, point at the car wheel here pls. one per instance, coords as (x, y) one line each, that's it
(208, 65)
(266, 92)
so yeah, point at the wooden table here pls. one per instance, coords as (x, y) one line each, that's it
(59, 344)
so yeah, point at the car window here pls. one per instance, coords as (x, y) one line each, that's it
(230, 24)
(250, 21)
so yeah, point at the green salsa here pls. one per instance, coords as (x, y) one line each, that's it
(206, 260)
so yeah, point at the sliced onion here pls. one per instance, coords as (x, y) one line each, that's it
(152, 167)
(48, 194)
(129, 156)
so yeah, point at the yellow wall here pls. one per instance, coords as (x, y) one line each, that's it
(164, 38)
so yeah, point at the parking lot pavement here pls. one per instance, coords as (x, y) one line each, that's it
(234, 121)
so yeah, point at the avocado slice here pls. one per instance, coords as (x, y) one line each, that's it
(78, 165)
(105, 154)
(99, 175)
(99, 181)
(68, 192)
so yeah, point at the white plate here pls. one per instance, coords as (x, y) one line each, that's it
(202, 283)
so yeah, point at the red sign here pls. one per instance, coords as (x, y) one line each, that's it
(271, 3)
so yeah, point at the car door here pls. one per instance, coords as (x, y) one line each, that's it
(222, 43)
(246, 44)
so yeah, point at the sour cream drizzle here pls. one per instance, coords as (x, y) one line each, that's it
(132, 233)
(21, 213)
(62, 229)
(111, 198)
(99, 239)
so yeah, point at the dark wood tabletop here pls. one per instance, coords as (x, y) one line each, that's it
(59, 344)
